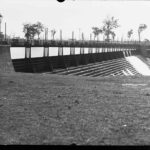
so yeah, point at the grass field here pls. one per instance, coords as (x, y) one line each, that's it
(53, 109)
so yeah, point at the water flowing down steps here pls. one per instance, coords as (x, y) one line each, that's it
(139, 65)
(114, 67)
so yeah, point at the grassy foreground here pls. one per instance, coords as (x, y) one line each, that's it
(53, 109)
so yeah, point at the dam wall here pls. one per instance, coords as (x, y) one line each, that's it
(66, 57)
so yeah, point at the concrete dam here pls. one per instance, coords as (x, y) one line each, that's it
(101, 60)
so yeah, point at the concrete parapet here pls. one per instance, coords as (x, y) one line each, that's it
(5, 59)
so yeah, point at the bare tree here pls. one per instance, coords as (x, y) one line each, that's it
(140, 29)
(40, 28)
(109, 24)
(129, 34)
(113, 35)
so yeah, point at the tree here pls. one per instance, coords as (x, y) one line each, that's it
(39, 28)
(96, 32)
(109, 24)
(129, 34)
(146, 40)
(141, 28)
(31, 30)
(53, 32)
(113, 35)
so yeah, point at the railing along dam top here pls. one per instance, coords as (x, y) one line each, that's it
(66, 43)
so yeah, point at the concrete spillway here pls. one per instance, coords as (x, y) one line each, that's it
(139, 65)
(5, 59)
(38, 60)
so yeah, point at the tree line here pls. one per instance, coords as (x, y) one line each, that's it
(35, 29)
(107, 30)
(108, 27)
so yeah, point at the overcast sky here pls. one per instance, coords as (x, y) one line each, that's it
(75, 15)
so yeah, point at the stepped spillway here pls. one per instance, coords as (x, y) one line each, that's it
(105, 63)
(114, 67)
(139, 65)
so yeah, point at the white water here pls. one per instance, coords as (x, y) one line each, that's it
(129, 72)
(85, 50)
(124, 73)
(36, 52)
(53, 51)
(139, 65)
(66, 51)
(19, 52)
(77, 50)
(94, 50)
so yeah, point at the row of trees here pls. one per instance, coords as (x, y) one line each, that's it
(141, 28)
(109, 24)
(107, 29)
(33, 30)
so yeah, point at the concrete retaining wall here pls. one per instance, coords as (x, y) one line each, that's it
(5, 59)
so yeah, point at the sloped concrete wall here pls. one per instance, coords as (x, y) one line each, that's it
(144, 51)
(46, 64)
(139, 65)
(5, 59)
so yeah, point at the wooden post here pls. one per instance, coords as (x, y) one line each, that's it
(27, 52)
(82, 50)
(46, 52)
(61, 35)
(82, 36)
(72, 35)
(60, 51)
(46, 34)
(5, 30)
(72, 50)
(90, 37)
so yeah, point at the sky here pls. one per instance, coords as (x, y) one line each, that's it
(75, 15)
